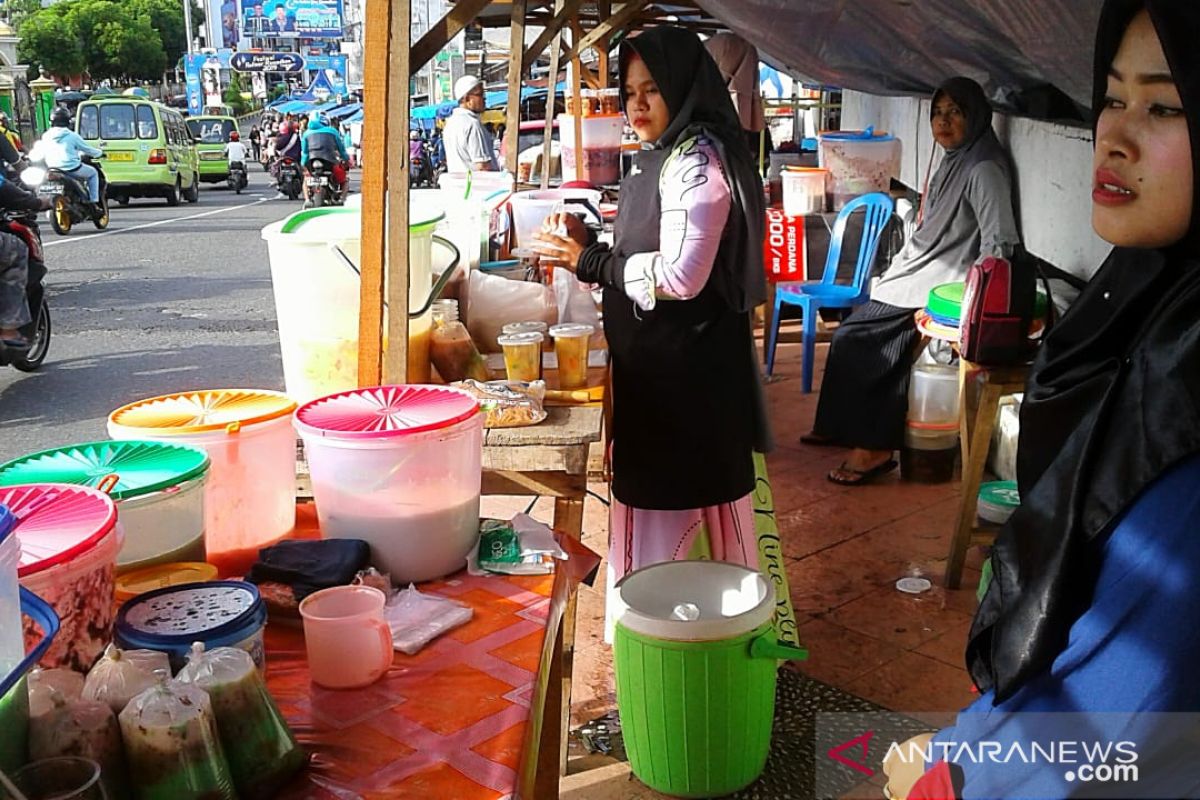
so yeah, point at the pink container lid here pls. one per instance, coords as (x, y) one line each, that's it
(385, 412)
(57, 522)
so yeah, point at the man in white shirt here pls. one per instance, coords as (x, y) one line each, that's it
(468, 144)
(235, 151)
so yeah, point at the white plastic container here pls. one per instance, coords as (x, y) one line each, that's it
(468, 201)
(315, 257)
(250, 496)
(530, 209)
(398, 467)
(804, 190)
(933, 395)
(601, 161)
(12, 648)
(859, 162)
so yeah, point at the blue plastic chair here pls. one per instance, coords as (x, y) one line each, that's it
(811, 296)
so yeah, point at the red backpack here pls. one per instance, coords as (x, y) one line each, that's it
(998, 310)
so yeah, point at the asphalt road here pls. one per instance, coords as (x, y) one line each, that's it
(165, 300)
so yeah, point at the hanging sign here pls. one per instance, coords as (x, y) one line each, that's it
(267, 62)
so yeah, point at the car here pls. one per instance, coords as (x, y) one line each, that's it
(148, 149)
(211, 134)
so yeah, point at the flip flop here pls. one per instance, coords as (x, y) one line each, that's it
(861, 476)
(818, 441)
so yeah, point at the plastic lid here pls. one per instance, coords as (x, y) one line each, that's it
(331, 224)
(1000, 493)
(530, 337)
(696, 601)
(571, 330)
(57, 523)
(856, 136)
(204, 411)
(160, 576)
(189, 612)
(7, 521)
(386, 411)
(804, 170)
(124, 469)
(533, 326)
(914, 585)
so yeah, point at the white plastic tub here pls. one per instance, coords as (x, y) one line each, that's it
(804, 190)
(859, 162)
(12, 649)
(398, 467)
(601, 161)
(163, 528)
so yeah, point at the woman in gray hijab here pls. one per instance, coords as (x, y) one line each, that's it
(967, 212)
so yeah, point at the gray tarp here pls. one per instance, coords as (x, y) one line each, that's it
(910, 46)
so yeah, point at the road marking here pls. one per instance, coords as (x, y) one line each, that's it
(69, 240)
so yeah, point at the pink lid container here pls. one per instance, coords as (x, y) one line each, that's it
(385, 412)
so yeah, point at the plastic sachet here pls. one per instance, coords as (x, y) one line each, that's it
(417, 619)
(508, 404)
(120, 675)
(523, 546)
(73, 726)
(172, 745)
(46, 684)
(261, 751)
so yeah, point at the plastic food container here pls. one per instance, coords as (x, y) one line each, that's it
(804, 190)
(315, 257)
(571, 344)
(930, 452)
(532, 326)
(12, 646)
(217, 614)
(131, 584)
(15, 662)
(69, 540)
(601, 161)
(250, 495)
(398, 467)
(522, 355)
(859, 162)
(469, 200)
(530, 209)
(933, 395)
(158, 489)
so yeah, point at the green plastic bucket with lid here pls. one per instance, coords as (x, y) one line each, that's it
(696, 659)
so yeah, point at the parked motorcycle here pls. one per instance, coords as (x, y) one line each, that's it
(237, 179)
(288, 179)
(24, 225)
(69, 197)
(323, 190)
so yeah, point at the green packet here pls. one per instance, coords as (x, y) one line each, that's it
(520, 547)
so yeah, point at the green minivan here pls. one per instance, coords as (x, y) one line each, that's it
(148, 149)
(211, 134)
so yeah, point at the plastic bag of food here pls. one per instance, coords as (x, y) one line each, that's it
(508, 404)
(46, 684)
(78, 727)
(417, 619)
(120, 675)
(261, 751)
(172, 745)
(523, 546)
(493, 302)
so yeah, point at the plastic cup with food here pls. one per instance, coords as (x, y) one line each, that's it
(522, 355)
(571, 344)
(531, 326)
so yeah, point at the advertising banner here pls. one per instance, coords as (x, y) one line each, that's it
(203, 73)
(222, 24)
(291, 19)
(267, 62)
(334, 66)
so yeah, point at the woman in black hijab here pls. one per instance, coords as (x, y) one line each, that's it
(679, 284)
(1095, 593)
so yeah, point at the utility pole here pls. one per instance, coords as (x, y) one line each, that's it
(187, 24)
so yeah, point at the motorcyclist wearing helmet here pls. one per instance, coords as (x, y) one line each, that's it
(287, 144)
(321, 140)
(60, 148)
(235, 151)
(11, 135)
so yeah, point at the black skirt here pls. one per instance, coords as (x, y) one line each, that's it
(864, 393)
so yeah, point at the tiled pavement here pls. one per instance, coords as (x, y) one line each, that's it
(845, 549)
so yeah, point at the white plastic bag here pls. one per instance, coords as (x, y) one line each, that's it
(77, 727)
(493, 302)
(45, 685)
(417, 619)
(121, 675)
(574, 299)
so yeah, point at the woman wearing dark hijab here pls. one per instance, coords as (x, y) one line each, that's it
(967, 212)
(1094, 601)
(679, 285)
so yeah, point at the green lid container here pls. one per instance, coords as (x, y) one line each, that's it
(124, 469)
(946, 301)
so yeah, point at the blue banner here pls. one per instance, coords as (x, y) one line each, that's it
(334, 67)
(291, 19)
(195, 94)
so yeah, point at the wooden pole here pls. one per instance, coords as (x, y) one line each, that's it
(551, 32)
(516, 55)
(605, 9)
(576, 76)
(442, 31)
(608, 26)
(551, 96)
(395, 361)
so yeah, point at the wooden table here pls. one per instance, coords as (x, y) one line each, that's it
(976, 421)
(550, 460)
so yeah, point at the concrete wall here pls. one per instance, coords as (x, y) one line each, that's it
(1053, 164)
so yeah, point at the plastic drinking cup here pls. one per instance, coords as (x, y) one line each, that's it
(571, 344)
(532, 326)
(66, 778)
(522, 355)
(348, 640)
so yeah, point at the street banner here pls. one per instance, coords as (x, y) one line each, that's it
(334, 68)
(267, 62)
(291, 19)
(258, 84)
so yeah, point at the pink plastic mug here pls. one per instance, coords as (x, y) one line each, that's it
(349, 643)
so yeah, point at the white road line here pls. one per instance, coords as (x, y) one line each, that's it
(70, 239)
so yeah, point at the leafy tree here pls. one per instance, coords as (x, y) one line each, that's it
(233, 95)
(116, 42)
(15, 11)
(51, 42)
(166, 17)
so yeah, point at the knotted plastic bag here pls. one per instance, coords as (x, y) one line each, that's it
(262, 753)
(45, 684)
(120, 675)
(73, 726)
(172, 745)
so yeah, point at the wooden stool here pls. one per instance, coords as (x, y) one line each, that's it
(977, 420)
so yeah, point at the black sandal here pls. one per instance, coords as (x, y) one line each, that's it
(861, 476)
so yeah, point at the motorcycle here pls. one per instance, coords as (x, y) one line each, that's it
(69, 196)
(323, 190)
(434, 157)
(237, 179)
(24, 225)
(288, 178)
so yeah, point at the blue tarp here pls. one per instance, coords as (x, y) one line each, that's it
(302, 107)
(345, 110)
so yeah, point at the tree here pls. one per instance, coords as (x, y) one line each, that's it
(233, 94)
(116, 42)
(166, 17)
(51, 42)
(16, 11)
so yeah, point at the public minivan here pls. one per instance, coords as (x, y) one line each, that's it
(212, 134)
(148, 149)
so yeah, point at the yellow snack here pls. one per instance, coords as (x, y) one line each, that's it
(571, 345)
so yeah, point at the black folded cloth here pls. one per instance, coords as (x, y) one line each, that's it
(311, 565)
